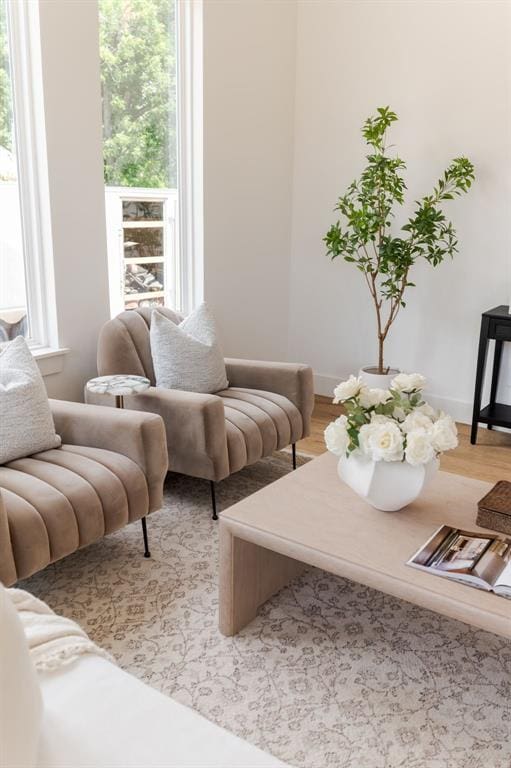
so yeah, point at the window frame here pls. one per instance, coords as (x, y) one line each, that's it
(190, 164)
(33, 188)
(187, 240)
(114, 198)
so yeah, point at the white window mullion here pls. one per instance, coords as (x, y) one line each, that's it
(190, 245)
(25, 56)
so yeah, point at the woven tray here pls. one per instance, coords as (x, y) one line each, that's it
(495, 508)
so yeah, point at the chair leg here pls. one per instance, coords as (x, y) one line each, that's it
(293, 447)
(146, 542)
(213, 499)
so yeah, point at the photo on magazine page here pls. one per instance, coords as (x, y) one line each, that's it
(480, 559)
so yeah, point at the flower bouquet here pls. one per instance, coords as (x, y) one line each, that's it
(388, 440)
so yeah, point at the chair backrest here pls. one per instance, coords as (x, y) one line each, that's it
(124, 345)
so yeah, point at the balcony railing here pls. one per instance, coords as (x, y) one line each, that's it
(141, 241)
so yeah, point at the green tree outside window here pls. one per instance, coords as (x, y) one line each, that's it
(138, 81)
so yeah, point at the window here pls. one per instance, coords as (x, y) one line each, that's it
(139, 93)
(14, 320)
(26, 272)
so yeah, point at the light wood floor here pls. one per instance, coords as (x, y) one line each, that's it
(489, 460)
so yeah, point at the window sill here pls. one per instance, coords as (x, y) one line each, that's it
(50, 360)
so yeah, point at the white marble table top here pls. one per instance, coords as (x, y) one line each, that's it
(121, 384)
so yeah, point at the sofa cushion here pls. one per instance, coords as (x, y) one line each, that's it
(26, 423)
(97, 715)
(20, 695)
(258, 423)
(188, 356)
(60, 500)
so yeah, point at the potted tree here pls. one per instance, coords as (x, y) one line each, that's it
(364, 236)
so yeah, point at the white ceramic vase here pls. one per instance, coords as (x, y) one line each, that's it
(374, 380)
(386, 485)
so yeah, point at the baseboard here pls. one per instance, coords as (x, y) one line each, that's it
(324, 384)
(460, 410)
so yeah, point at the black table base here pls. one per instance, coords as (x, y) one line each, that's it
(495, 324)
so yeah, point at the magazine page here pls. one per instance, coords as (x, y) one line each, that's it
(473, 558)
(502, 584)
(494, 561)
(467, 557)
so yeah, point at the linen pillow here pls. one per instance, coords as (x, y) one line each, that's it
(26, 423)
(188, 356)
(21, 705)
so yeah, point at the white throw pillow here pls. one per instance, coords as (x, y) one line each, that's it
(20, 695)
(26, 423)
(188, 356)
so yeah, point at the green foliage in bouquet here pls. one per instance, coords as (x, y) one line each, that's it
(358, 415)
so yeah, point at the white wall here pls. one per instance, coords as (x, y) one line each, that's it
(249, 58)
(286, 88)
(444, 67)
(69, 33)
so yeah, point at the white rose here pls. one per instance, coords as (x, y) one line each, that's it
(336, 436)
(416, 420)
(347, 389)
(379, 418)
(399, 414)
(444, 433)
(408, 382)
(381, 441)
(419, 449)
(370, 398)
(428, 411)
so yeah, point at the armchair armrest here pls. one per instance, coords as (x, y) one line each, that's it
(195, 425)
(292, 380)
(139, 436)
(8, 573)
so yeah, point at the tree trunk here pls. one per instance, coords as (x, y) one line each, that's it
(381, 340)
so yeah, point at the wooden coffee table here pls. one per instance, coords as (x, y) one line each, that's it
(309, 517)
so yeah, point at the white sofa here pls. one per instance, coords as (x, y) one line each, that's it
(97, 716)
(91, 714)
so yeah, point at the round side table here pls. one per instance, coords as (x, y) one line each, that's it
(120, 385)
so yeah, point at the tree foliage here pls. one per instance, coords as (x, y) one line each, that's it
(138, 80)
(363, 237)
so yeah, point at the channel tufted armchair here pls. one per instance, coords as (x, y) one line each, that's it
(266, 407)
(108, 473)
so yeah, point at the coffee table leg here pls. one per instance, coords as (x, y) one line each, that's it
(249, 575)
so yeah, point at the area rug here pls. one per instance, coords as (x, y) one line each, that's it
(330, 673)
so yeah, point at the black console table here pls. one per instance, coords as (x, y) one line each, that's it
(495, 324)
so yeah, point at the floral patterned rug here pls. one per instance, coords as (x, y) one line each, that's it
(331, 673)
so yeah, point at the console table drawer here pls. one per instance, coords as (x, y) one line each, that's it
(500, 331)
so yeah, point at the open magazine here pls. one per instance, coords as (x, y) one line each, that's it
(481, 560)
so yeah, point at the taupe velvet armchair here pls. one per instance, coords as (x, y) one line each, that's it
(266, 407)
(109, 472)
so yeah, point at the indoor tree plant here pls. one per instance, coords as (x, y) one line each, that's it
(364, 237)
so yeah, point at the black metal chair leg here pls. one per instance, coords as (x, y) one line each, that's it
(213, 499)
(294, 455)
(146, 542)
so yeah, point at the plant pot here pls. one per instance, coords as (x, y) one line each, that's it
(374, 380)
(386, 485)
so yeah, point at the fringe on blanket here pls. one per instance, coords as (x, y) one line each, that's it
(53, 640)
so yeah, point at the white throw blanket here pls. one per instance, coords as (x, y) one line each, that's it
(52, 640)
